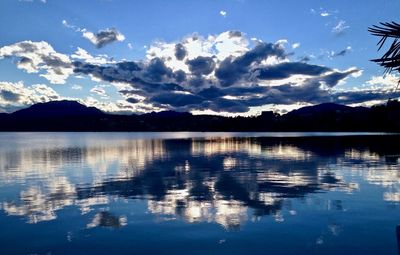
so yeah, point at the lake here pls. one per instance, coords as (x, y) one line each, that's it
(199, 193)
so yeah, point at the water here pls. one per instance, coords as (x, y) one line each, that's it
(199, 193)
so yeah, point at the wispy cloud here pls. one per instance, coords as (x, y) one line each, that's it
(340, 28)
(341, 53)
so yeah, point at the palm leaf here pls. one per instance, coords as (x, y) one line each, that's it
(391, 58)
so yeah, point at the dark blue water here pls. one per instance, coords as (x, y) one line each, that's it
(199, 193)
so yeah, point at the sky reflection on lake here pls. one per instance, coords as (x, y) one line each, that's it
(218, 193)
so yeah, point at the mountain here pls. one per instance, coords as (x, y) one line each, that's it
(57, 109)
(325, 108)
(327, 117)
(73, 116)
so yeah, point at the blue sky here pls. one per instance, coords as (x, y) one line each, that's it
(322, 47)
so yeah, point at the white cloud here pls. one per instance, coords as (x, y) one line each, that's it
(14, 96)
(389, 81)
(82, 54)
(295, 45)
(223, 13)
(324, 14)
(99, 90)
(40, 57)
(76, 87)
(340, 27)
(130, 46)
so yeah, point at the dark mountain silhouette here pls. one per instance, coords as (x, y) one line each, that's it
(59, 109)
(325, 108)
(73, 116)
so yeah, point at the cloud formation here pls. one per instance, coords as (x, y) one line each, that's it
(104, 37)
(39, 57)
(340, 28)
(101, 38)
(224, 73)
(14, 96)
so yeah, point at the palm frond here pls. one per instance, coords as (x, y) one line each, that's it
(391, 58)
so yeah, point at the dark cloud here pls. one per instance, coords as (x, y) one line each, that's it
(177, 99)
(305, 59)
(235, 34)
(232, 69)
(180, 76)
(287, 69)
(9, 96)
(341, 53)
(201, 65)
(234, 88)
(132, 100)
(157, 70)
(104, 37)
(180, 51)
(333, 79)
(352, 97)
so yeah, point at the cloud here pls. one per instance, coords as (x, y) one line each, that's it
(99, 39)
(325, 14)
(219, 73)
(257, 76)
(39, 57)
(387, 81)
(201, 65)
(76, 87)
(104, 37)
(341, 53)
(31, 1)
(14, 96)
(180, 51)
(81, 54)
(340, 28)
(99, 90)
(223, 13)
(130, 46)
(295, 45)
(232, 69)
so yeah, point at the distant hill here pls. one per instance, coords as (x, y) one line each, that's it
(73, 116)
(58, 109)
(325, 108)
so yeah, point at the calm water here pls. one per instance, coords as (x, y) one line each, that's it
(199, 193)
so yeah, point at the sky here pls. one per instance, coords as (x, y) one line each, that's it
(225, 57)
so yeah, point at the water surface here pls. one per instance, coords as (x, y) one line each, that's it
(199, 193)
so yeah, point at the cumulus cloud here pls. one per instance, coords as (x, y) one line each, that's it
(101, 38)
(223, 13)
(387, 81)
(39, 57)
(218, 73)
(14, 96)
(245, 77)
(81, 54)
(104, 37)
